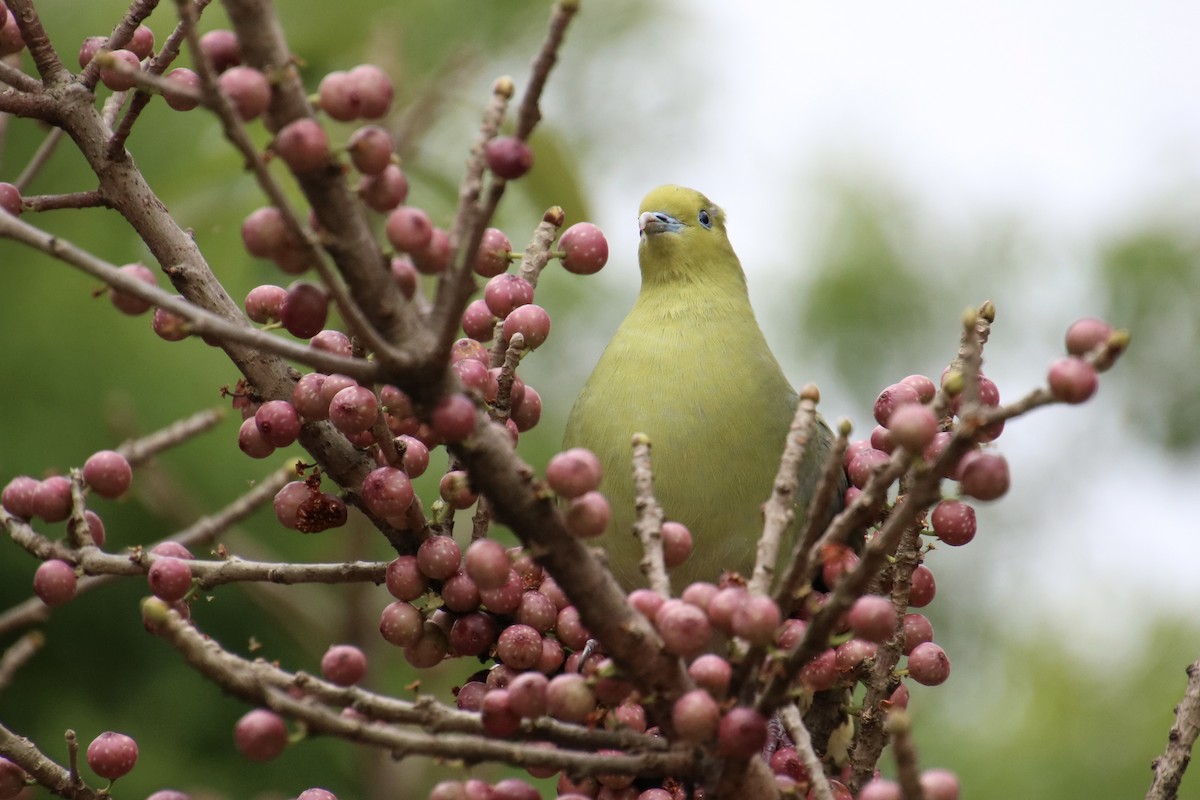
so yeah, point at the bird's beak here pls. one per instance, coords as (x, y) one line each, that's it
(652, 222)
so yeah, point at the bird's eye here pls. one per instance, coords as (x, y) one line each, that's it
(704, 218)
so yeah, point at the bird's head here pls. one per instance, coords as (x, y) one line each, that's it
(683, 237)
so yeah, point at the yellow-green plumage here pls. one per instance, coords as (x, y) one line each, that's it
(690, 367)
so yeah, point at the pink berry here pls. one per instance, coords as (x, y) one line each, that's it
(54, 582)
(12, 779)
(142, 42)
(278, 422)
(172, 549)
(954, 522)
(573, 472)
(438, 557)
(303, 145)
(128, 303)
(1087, 334)
(405, 580)
(526, 413)
(304, 310)
(913, 426)
(387, 492)
(508, 157)
(374, 90)
(519, 646)
(1072, 379)
(252, 441)
(568, 698)
(506, 292)
(52, 499)
(880, 789)
(260, 735)
(872, 618)
(264, 302)
(939, 784)
(891, 398)
(168, 326)
(984, 475)
(821, 673)
(453, 418)
(756, 620)
(588, 515)
(926, 388)
(742, 733)
(531, 321)
(863, 466)
(18, 496)
(492, 258)
(370, 149)
(354, 409)
(222, 49)
(344, 664)
(711, 673)
(455, 489)
(266, 235)
(408, 229)
(928, 664)
(170, 579)
(401, 624)
(247, 89)
(121, 76)
(435, 256)
(585, 250)
(111, 755)
(108, 473)
(917, 630)
(478, 322)
(384, 191)
(187, 81)
(924, 588)
(685, 629)
(10, 199)
(677, 544)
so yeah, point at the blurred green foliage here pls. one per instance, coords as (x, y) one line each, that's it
(1151, 279)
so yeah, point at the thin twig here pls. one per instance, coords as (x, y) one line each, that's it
(779, 511)
(1170, 766)
(650, 518)
(18, 654)
(200, 320)
(202, 532)
(798, 733)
